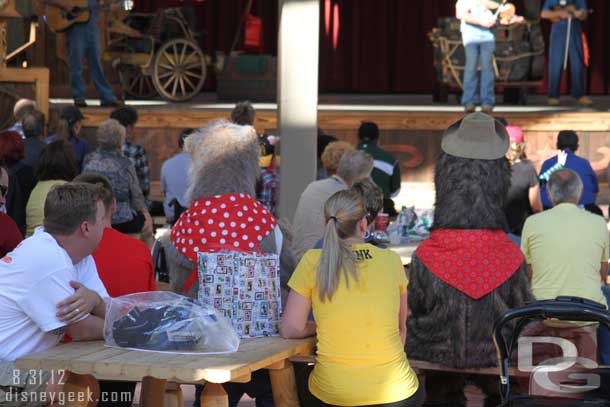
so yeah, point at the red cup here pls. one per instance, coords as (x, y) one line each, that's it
(381, 221)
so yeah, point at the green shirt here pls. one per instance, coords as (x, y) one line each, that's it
(386, 170)
(565, 247)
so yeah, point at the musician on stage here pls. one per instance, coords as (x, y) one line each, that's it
(560, 12)
(83, 41)
(479, 39)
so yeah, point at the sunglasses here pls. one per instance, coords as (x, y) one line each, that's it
(3, 190)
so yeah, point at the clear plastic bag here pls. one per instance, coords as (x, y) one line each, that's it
(167, 322)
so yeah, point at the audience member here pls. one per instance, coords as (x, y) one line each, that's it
(550, 250)
(37, 308)
(323, 141)
(331, 282)
(128, 117)
(34, 131)
(22, 179)
(372, 196)
(57, 166)
(175, 180)
(468, 273)
(386, 170)
(21, 108)
(267, 184)
(567, 140)
(70, 126)
(308, 220)
(524, 192)
(566, 247)
(132, 274)
(243, 114)
(132, 214)
(10, 236)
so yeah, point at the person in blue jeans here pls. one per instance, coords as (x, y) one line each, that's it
(479, 40)
(552, 10)
(83, 41)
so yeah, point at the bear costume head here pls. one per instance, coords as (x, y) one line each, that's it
(223, 213)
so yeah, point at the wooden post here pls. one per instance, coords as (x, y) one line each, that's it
(81, 390)
(284, 386)
(214, 395)
(153, 392)
(297, 97)
(173, 395)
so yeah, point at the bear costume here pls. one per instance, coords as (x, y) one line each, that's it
(468, 272)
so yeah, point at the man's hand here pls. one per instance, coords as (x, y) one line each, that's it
(78, 305)
(563, 14)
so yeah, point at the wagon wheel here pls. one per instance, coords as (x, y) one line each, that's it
(136, 83)
(179, 70)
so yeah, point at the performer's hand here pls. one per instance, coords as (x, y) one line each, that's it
(562, 157)
(563, 14)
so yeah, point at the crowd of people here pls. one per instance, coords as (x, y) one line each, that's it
(85, 216)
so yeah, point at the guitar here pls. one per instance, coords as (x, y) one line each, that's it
(60, 20)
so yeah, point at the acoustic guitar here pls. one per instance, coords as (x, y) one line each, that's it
(60, 20)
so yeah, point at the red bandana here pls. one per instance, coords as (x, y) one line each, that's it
(473, 261)
(222, 222)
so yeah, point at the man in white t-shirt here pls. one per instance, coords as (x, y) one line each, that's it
(479, 40)
(49, 284)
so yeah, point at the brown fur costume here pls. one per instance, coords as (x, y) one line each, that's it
(445, 325)
(225, 161)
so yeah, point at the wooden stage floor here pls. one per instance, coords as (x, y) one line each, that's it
(411, 127)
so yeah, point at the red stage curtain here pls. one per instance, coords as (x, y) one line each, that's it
(375, 46)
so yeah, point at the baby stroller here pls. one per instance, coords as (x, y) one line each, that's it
(568, 379)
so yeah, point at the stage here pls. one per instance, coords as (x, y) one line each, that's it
(411, 127)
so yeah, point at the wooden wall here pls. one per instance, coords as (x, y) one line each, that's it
(414, 138)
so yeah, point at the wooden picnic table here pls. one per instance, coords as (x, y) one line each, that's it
(158, 370)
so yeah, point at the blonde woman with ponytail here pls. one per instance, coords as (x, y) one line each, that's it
(358, 294)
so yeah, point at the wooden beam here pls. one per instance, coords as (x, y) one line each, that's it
(332, 120)
(284, 386)
(214, 395)
(38, 76)
(297, 97)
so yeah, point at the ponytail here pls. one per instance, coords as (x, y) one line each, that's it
(64, 130)
(343, 212)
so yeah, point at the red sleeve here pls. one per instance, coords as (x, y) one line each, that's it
(10, 236)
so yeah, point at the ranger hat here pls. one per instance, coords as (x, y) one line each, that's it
(477, 136)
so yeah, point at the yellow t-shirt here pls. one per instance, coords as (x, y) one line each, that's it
(34, 210)
(565, 247)
(360, 358)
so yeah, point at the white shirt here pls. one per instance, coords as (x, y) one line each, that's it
(33, 279)
(472, 33)
(175, 180)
